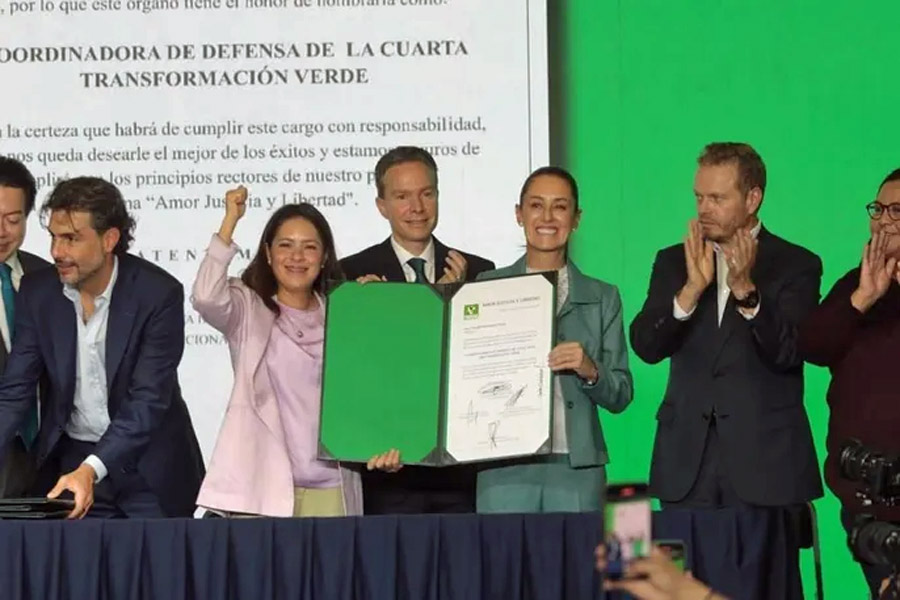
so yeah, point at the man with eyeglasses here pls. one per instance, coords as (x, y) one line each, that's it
(855, 332)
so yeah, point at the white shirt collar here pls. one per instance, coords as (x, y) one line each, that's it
(15, 264)
(74, 295)
(403, 255)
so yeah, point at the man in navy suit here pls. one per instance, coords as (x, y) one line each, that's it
(17, 194)
(724, 307)
(107, 330)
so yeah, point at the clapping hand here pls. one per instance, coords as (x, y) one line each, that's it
(875, 273)
(741, 256)
(698, 258)
(455, 270)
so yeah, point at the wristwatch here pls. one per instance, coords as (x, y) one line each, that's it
(751, 300)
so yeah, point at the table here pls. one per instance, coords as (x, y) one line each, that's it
(420, 557)
(743, 553)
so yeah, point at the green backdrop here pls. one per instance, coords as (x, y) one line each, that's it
(640, 86)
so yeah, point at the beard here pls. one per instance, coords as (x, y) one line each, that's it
(81, 272)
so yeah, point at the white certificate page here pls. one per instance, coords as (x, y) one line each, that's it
(499, 392)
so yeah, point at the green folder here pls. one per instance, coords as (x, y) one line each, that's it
(383, 380)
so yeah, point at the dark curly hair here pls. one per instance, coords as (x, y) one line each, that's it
(98, 197)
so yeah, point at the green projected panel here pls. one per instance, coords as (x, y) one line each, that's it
(382, 373)
(647, 83)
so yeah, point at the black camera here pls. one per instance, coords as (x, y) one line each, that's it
(878, 474)
(871, 541)
(875, 542)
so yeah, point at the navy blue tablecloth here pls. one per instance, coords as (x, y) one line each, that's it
(743, 553)
(427, 557)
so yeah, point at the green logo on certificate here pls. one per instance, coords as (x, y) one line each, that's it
(470, 311)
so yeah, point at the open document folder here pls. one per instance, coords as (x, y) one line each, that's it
(445, 374)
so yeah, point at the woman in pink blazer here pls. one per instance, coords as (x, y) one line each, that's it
(264, 462)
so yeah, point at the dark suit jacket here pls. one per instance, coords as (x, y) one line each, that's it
(30, 262)
(150, 429)
(381, 259)
(750, 372)
(17, 471)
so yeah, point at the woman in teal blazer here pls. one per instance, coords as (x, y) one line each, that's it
(590, 361)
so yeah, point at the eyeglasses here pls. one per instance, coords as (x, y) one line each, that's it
(876, 209)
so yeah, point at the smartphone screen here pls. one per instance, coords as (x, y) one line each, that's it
(627, 526)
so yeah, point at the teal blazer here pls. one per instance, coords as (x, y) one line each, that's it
(591, 315)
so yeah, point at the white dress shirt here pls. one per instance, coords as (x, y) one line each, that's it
(90, 411)
(722, 289)
(560, 441)
(403, 255)
(17, 272)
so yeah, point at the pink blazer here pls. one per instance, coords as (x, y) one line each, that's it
(250, 470)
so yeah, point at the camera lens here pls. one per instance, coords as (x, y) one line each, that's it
(853, 460)
(877, 543)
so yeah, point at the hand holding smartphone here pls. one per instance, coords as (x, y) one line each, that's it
(627, 526)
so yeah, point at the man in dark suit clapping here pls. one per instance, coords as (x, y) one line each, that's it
(725, 308)
(407, 183)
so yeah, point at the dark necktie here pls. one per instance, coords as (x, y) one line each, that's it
(30, 426)
(9, 297)
(418, 267)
